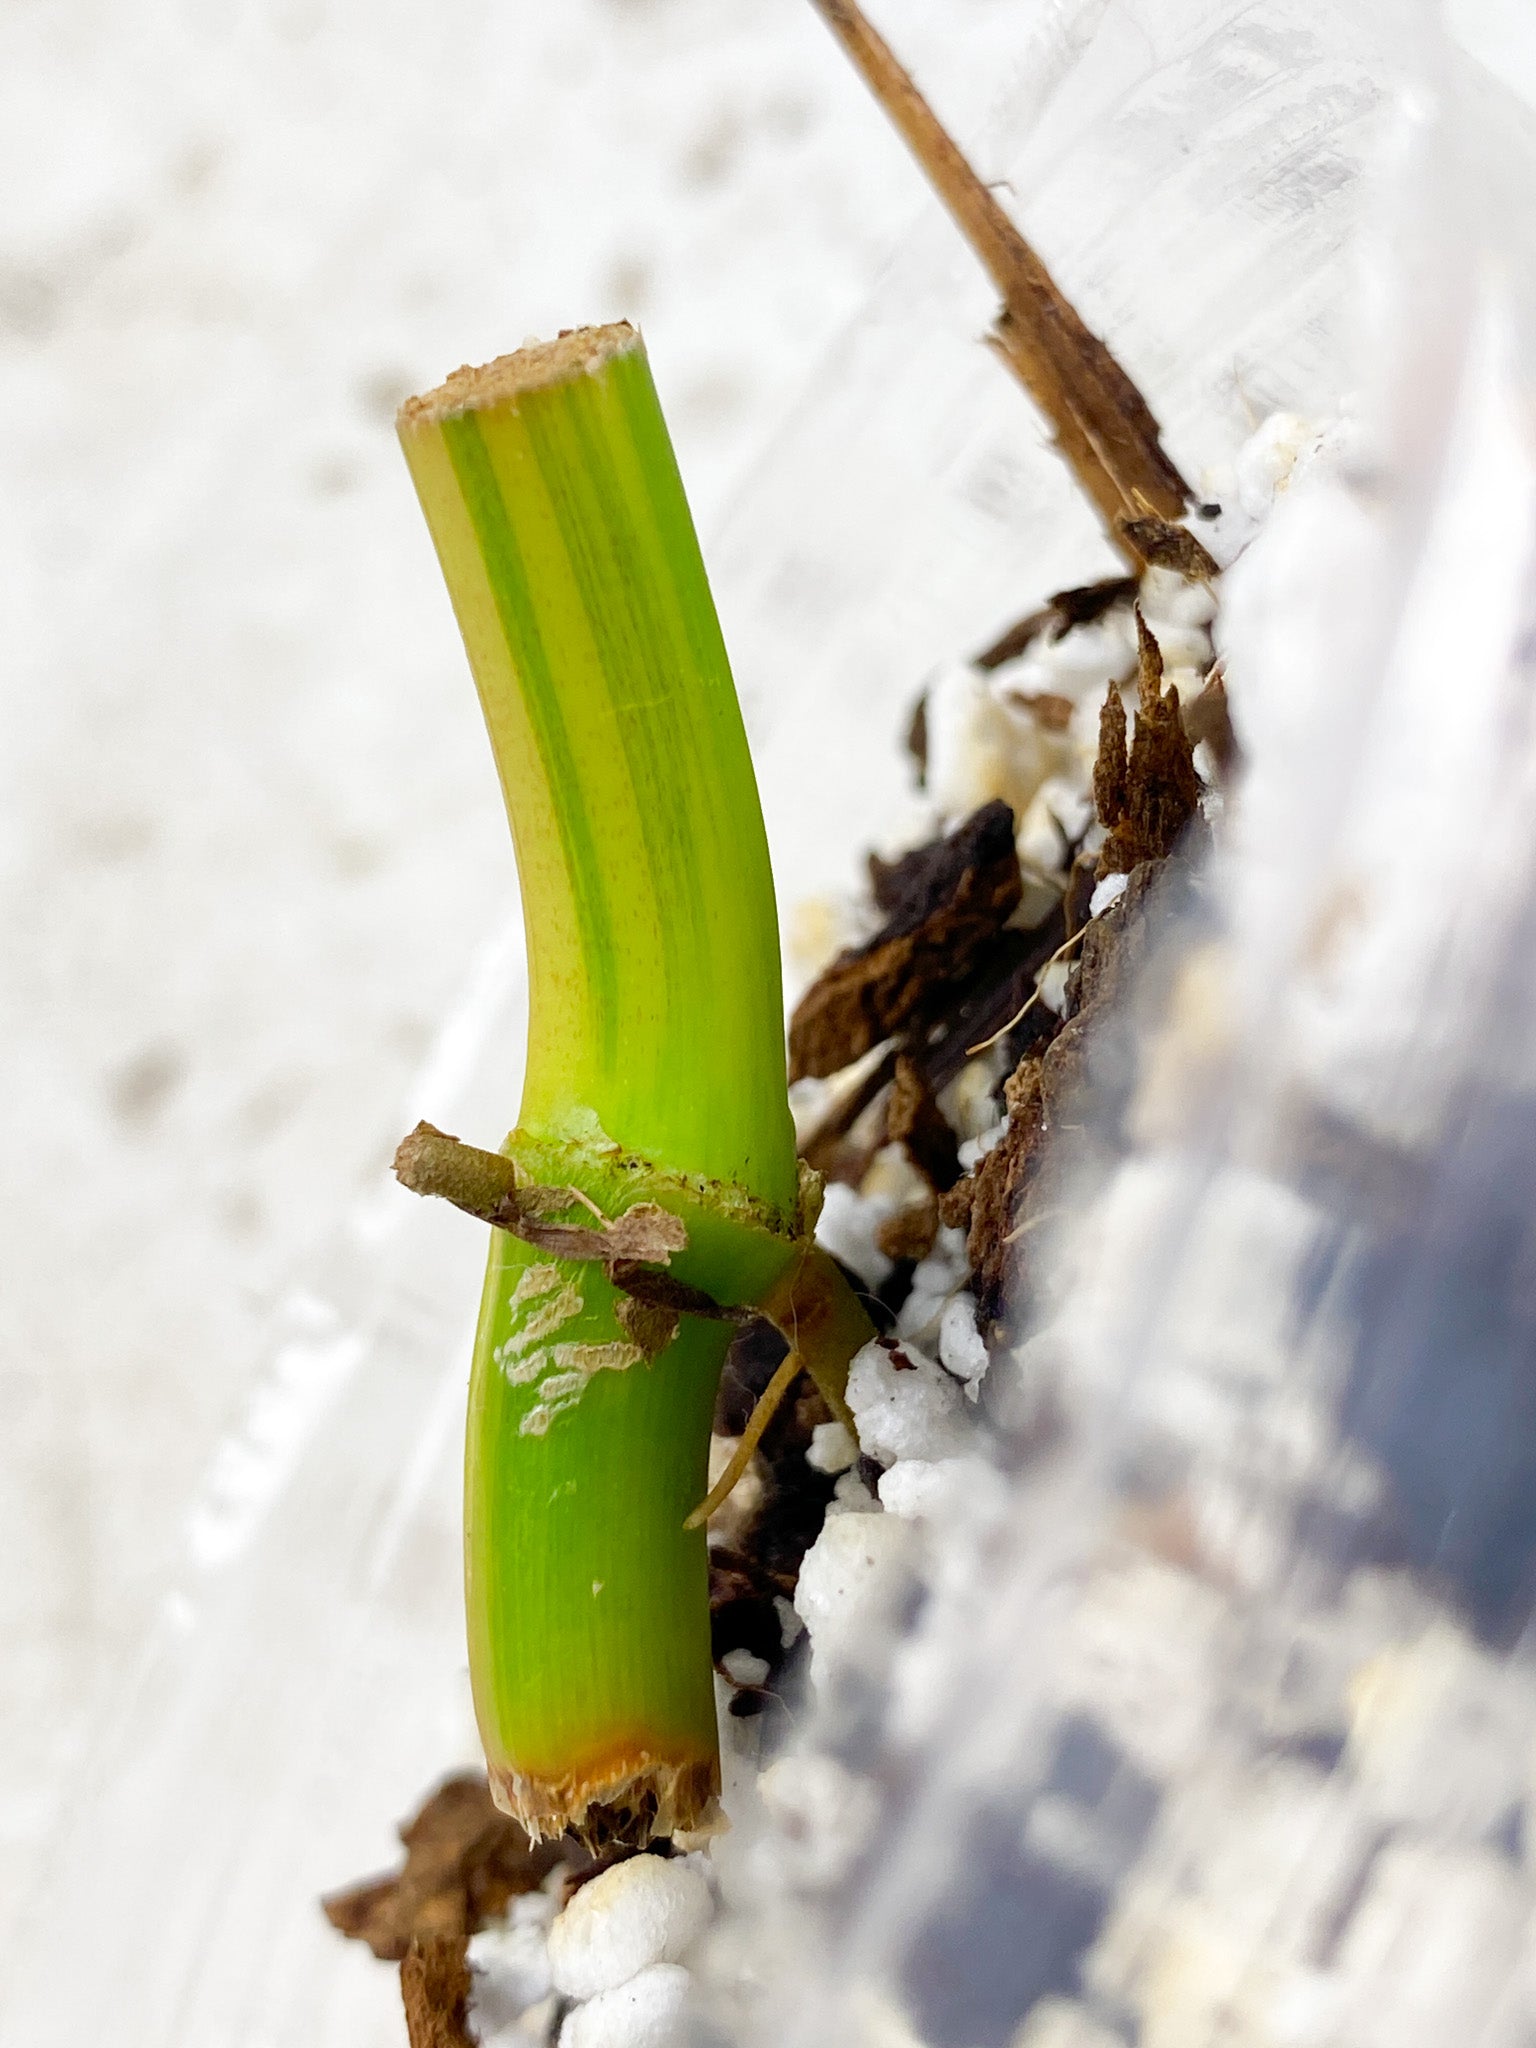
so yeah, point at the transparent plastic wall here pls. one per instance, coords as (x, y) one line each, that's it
(1209, 1717)
(1210, 1721)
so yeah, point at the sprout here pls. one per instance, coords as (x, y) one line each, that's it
(649, 1196)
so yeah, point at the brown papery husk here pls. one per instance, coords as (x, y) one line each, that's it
(624, 1800)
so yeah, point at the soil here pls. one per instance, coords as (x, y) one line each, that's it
(944, 971)
(943, 903)
(464, 1860)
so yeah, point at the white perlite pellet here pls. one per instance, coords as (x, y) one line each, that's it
(928, 1490)
(850, 1496)
(846, 1228)
(1264, 463)
(979, 747)
(531, 2029)
(511, 1969)
(742, 1668)
(825, 1814)
(1051, 985)
(1106, 893)
(969, 1109)
(1167, 598)
(648, 1910)
(509, 1964)
(849, 1581)
(910, 1411)
(832, 1449)
(961, 1346)
(973, 1150)
(791, 1627)
(650, 2011)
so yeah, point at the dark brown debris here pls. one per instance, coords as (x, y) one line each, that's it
(434, 1987)
(1162, 544)
(998, 1187)
(1018, 638)
(1149, 666)
(920, 884)
(755, 1355)
(1112, 951)
(1085, 603)
(1111, 770)
(954, 1207)
(1083, 879)
(943, 903)
(1049, 711)
(646, 1323)
(1016, 1184)
(1082, 605)
(1145, 801)
(917, 739)
(1209, 718)
(1003, 979)
(464, 1859)
(913, 1119)
(909, 1233)
(794, 1497)
(843, 1144)
(742, 1615)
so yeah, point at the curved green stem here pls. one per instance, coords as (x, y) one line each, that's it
(655, 1054)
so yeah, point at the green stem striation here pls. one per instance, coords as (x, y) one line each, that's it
(655, 1070)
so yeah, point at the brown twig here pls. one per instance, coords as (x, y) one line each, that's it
(1103, 426)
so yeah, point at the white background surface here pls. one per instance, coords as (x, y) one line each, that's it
(249, 834)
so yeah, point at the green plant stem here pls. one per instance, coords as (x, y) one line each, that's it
(655, 1072)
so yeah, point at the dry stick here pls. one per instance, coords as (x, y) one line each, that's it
(1103, 426)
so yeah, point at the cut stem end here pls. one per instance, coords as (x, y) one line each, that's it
(622, 1803)
(579, 351)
